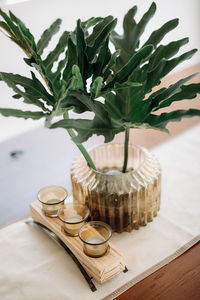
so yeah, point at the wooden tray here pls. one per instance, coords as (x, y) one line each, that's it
(101, 268)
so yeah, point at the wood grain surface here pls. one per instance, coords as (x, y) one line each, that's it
(179, 280)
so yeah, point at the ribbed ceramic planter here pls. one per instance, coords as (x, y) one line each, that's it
(123, 200)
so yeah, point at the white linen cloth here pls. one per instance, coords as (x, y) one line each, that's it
(33, 266)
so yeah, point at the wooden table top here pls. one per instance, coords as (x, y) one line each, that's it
(179, 280)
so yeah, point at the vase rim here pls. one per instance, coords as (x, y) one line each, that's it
(121, 173)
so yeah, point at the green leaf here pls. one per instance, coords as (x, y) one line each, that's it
(171, 64)
(70, 101)
(34, 90)
(25, 32)
(96, 127)
(113, 105)
(129, 23)
(155, 102)
(121, 46)
(17, 96)
(102, 61)
(91, 22)
(99, 35)
(8, 112)
(140, 111)
(125, 95)
(133, 35)
(120, 86)
(129, 41)
(47, 36)
(77, 80)
(187, 92)
(56, 77)
(132, 64)
(101, 118)
(164, 67)
(92, 105)
(47, 65)
(153, 78)
(126, 85)
(5, 27)
(71, 59)
(96, 87)
(124, 42)
(111, 64)
(13, 28)
(33, 85)
(134, 104)
(72, 123)
(15, 34)
(86, 128)
(159, 34)
(98, 29)
(156, 93)
(81, 46)
(54, 54)
(166, 52)
(162, 120)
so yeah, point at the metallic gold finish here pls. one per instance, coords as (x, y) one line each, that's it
(125, 201)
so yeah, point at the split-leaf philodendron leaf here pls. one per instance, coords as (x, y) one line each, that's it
(115, 86)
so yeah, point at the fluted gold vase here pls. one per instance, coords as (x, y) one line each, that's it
(123, 200)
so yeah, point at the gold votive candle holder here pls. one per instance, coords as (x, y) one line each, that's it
(95, 236)
(73, 216)
(52, 198)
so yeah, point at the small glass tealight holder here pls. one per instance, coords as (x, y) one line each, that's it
(95, 236)
(73, 216)
(52, 198)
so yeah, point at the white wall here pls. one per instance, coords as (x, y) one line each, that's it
(38, 14)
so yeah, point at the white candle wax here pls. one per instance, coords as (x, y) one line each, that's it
(50, 208)
(51, 201)
(72, 227)
(94, 240)
(97, 246)
(74, 219)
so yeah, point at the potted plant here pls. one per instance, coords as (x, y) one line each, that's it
(117, 88)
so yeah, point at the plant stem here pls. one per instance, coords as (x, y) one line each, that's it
(83, 151)
(126, 142)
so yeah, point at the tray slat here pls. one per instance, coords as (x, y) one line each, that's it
(101, 268)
